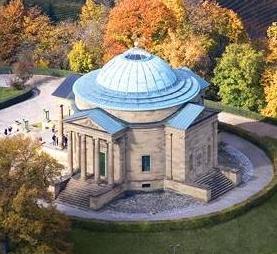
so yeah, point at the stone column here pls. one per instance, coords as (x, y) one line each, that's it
(110, 163)
(60, 128)
(96, 161)
(70, 153)
(78, 151)
(83, 158)
(215, 144)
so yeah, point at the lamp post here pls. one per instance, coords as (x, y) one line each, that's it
(174, 247)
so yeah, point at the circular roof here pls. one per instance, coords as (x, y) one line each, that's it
(136, 81)
(136, 71)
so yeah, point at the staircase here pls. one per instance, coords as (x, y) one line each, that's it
(216, 182)
(77, 192)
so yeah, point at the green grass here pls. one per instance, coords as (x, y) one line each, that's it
(7, 93)
(254, 232)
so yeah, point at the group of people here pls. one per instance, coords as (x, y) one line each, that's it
(55, 140)
(8, 131)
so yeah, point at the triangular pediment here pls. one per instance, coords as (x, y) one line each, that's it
(87, 122)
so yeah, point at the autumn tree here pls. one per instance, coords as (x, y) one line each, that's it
(11, 25)
(35, 26)
(178, 8)
(147, 20)
(210, 18)
(272, 43)
(55, 44)
(26, 225)
(91, 12)
(238, 76)
(80, 59)
(269, 78)
(188, 50)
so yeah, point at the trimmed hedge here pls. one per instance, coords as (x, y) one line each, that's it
(16, 99)
(52, 72)
(41, 71)
(241, 112)
(267, 144)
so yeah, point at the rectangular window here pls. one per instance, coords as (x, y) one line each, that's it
(102, 163)
(146, 185)
(145, 163)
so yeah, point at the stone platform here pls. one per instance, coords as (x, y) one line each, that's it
(257, 173)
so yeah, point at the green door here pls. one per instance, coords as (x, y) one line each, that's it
(102, 161)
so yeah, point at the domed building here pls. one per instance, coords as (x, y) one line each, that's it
(139, 124)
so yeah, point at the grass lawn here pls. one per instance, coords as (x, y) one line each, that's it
(6, 93)
(253, 233)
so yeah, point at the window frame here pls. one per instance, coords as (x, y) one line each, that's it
(142, 165)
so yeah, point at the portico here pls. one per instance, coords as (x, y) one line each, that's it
(92, 148)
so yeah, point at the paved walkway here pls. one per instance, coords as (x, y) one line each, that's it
(32, 109)
(259, 128)
(262, 175)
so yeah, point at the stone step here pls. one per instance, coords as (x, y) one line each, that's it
(217, 182)
(77, 192)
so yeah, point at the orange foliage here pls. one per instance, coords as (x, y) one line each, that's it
(146, 20)
(11, 21)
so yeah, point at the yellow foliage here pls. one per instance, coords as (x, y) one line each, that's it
(35, 26)
(42, 63)
(269, 80)
(91, 12)
(178, 8)
(272, 43)
(80, 60)
(186, 50)
(224, 21)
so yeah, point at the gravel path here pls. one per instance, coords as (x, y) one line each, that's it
(259, 128)
(32, 109)
(259, 174)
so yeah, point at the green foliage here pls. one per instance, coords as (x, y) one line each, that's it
(80, 59)
(238, 74)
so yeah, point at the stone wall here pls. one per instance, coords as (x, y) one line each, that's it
(145, 142)
(143, 116)
(201, 148)
(191, 190)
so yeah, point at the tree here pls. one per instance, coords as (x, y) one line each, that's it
(210, 18)
(55, 44)
(272, 43)
(146, 20)
(25, 175)
(237, 75)
(178, 8)
(188, 50)
(269, 80)
(91, 12)
(23, 70)
(11, 25)
(80, 60)
(35, 26)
